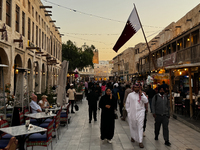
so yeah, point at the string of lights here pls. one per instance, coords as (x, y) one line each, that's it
(101, 33)
(92, 15)
(100, 41)
(88, 40)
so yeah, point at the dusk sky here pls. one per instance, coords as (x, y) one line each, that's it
(103, 33)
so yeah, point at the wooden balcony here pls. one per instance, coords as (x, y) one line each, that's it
(186, 55)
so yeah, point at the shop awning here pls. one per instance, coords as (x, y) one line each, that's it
(183, 66)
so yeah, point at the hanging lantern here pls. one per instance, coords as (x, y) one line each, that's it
(16, 71)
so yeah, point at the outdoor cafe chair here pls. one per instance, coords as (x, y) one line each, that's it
(64, 115)
(186, 107)
(4, 124)
(38, 139)
(56, 124)
(198, 108)
(178, 103)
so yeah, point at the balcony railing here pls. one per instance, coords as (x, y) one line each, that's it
(186, 55)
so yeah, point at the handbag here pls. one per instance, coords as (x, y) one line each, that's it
(76, 107)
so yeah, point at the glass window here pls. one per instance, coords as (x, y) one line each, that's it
(174, 47)
(23, 23)
(195, 37)
(180, 44)
(39, 37)
(17, 18)
(36, 38)
(33, 32)
(29, 29)
(0, 9)
(169, 49)
(29, 7)
(45, 42)
(8, 12)
(187, 41)
(42, 40)
(42, 23)
(36, 16)
(164, 51)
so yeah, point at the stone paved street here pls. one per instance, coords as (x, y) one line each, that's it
(84, 136)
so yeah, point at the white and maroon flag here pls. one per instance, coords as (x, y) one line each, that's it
(132, 26)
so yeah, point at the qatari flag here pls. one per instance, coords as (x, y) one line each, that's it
(132, 26)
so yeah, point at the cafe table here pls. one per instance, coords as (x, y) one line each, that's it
(40, 117)
(22, 133)
(59, 108)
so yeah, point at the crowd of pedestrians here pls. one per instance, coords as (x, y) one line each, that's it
(132, 102)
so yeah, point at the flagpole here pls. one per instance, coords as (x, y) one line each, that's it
(145, 39)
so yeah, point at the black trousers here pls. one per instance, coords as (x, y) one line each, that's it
(86, 92)
(145, 121)
(72, 105)
(92, 110)
(164, 120)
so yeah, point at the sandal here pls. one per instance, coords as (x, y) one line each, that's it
(141, 145)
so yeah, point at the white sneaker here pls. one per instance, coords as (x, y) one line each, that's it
(109, 141)
(144, 134)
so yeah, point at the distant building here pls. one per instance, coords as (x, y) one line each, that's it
(96, 57)
(102, 71)
(87, 73)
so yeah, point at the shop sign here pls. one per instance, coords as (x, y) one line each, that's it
(160, 62)
(169, 59)
(160, 76)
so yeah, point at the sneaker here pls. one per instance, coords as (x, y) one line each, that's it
(95, 119)
(167, 143)
(156, 138)
(73, 112)
(109, 141)
(144, 134)
(141, 145)
(89, 121)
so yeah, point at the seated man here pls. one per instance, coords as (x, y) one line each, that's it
(44, 102)
(33, 104)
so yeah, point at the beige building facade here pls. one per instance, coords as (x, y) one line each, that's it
(179, 40)
(30, 39)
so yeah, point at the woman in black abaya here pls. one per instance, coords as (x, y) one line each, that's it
(108, 106)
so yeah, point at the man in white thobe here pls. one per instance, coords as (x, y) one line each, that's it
(135, 106)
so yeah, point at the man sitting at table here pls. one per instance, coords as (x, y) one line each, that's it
(44, 102)
(33, 104)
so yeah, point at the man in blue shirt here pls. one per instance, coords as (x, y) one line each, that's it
(33, 104)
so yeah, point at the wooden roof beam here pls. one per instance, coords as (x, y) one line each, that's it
(43, 7)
